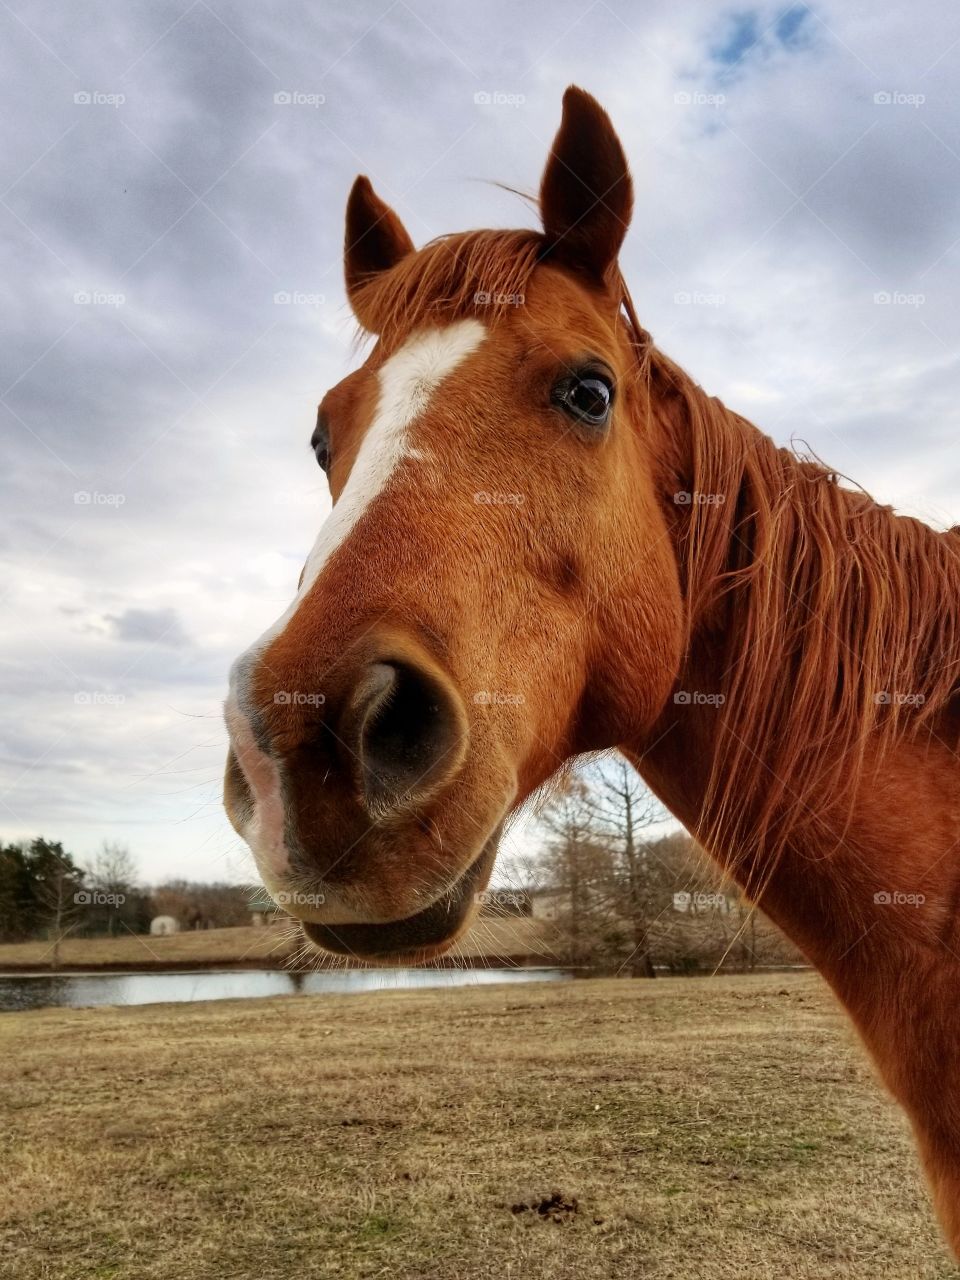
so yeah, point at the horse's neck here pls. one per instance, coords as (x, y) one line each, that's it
(896, 827)
(874, 900)
(894, 822)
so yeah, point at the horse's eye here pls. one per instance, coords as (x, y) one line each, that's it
(587, 398)
(320, 444)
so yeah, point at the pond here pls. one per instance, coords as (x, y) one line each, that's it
(80, 990)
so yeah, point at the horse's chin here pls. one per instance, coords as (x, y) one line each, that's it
(416, 939)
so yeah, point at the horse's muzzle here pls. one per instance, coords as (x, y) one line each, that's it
(417, 938)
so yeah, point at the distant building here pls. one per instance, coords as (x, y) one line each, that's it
(164, 926)
(263, 909)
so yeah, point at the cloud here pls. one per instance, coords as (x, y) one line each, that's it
(149, 626)
(787, 175)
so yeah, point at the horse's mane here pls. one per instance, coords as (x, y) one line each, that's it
(838, 621)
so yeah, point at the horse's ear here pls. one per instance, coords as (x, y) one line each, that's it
(586, 195)
(375, 240)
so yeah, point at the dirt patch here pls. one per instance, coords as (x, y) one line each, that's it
(555, 1207)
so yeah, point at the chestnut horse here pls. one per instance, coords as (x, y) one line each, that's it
(547, 540)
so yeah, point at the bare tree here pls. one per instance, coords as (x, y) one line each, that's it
(116, 902)
(632, 897)
(114, 869)
(576, 865)
(61, 896)
(623, 809)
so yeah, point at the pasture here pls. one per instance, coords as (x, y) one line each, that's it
(274, 945)
(671, 1130)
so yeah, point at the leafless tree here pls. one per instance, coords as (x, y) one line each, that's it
(623, 812)
(632, 896)
(597, 854)
(62, 900)
(575, 864)
(114, 869)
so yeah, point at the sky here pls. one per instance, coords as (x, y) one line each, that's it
(174, 176)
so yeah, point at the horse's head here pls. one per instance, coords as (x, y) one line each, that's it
(494, 590)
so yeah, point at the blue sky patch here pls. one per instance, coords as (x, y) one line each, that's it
(749, 34)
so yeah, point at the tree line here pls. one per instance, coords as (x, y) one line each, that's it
(45, 892)
(626, 896)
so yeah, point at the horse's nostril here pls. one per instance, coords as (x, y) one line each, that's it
(408, 731)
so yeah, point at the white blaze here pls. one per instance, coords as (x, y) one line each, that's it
(407, 381)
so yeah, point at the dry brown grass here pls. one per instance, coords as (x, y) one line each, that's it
(270, 945)
(198, 946)
(706, 1129)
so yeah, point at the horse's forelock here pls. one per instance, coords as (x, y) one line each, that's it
(481, 273)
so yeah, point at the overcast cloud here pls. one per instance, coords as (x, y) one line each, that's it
(169, 169)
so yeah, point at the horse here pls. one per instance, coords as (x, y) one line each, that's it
(548, 540)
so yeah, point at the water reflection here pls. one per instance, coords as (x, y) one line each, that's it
(84, 989)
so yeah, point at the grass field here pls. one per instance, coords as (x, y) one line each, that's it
(268, 946)
(684, 1129)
